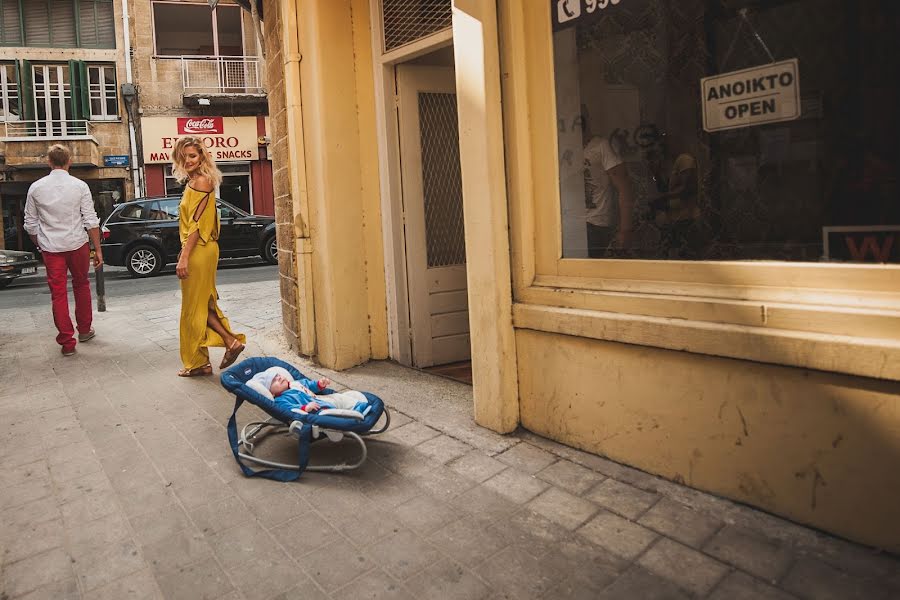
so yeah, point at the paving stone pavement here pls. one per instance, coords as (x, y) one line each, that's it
(119, 483)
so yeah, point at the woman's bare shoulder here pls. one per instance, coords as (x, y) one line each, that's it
(202, 183)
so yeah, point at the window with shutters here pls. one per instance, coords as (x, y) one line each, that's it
(9, 93)
(102, 92)
(10, 23)
(57, 23)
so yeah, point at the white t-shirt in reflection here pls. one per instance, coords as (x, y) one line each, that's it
(599, 157)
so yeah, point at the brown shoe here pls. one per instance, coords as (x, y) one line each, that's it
(69, 351)
(231, 354)
(198, 372)
(83, 337)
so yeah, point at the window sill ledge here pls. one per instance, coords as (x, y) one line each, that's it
(876, 357)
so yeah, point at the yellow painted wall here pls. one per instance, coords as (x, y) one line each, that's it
(819, 448)
(338, 195)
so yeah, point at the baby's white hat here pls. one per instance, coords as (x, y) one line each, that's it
(265, 378)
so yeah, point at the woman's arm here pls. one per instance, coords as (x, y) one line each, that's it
(181, 269)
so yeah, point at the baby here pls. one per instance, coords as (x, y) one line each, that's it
(298, 395)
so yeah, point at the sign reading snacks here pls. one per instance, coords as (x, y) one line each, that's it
(228, 138)
(766, 94)
(568, 13)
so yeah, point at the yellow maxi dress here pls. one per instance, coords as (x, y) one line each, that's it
(198, 290)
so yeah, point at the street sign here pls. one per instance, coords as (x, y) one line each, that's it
(755, 96)
(116, 160)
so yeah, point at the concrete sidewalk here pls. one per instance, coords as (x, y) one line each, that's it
(119, 483)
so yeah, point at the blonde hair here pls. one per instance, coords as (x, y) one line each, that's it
(58, 155)
(207, 165)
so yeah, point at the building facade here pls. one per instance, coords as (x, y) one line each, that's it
(199, 72)
(65, 77)
(61, 68)
(663, 232)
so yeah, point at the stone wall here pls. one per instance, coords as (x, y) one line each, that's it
(282, 171)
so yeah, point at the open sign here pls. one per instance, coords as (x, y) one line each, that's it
(766, 94)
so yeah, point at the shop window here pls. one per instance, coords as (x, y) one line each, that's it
(107, 193)
(9, 93)
(57, 23)
(102, 92)
(646, 170)
(195, 30)
(235, 187)
(173, 188)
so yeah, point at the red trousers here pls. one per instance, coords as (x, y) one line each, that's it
(58, 265)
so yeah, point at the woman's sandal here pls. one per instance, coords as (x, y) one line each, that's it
(231, 354)
(196, 372)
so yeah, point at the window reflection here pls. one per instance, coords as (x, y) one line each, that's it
(641, 178)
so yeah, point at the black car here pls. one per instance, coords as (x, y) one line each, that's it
(15, 264)
(142, 235)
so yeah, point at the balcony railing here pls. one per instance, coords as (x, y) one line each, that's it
(222, 75)
(54, 129)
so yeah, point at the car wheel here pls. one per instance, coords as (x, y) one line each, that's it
(143, 261)
(4, 283)
(270, 250)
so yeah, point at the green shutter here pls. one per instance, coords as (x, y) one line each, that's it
(85, 96)
(75, 86)
(26, 91)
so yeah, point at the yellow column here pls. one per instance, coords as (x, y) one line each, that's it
(486, 220)
(298, 185)
(337, 182)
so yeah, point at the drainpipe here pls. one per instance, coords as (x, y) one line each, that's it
(129, 94)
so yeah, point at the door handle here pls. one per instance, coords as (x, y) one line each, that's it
(156, 231)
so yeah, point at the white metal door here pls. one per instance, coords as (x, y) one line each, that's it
(433, 217)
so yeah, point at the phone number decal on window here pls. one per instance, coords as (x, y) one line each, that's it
(566, 13)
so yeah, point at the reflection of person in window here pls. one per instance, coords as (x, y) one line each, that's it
(605, 181)
(677, 207)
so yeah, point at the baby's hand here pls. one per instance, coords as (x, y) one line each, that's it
(312, 407)
(323, 383)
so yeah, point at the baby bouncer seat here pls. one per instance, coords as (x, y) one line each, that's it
(306, 427)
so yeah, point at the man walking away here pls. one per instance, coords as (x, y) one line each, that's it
(58, 210)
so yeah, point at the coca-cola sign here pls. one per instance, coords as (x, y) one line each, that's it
(228, 138)
(200, 125)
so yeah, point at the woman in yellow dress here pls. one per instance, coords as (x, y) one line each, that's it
(202, 322)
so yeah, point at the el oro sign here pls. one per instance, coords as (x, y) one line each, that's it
(765, 94)
(228, 138)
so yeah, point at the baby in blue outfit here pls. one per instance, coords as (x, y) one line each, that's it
(305, 394)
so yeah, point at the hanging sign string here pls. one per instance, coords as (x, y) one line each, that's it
(745, 19)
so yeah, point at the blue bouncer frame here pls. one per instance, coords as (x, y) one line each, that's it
(306, 428)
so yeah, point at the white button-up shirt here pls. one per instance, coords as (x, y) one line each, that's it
(58, 210)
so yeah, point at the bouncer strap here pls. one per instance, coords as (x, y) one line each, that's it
(303, 444)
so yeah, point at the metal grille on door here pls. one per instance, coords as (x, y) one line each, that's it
(441, 180)
(405, 21)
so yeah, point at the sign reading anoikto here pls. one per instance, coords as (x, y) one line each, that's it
(228, 138)
(766, 94)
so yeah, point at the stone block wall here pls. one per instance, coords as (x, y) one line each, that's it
(282, 171)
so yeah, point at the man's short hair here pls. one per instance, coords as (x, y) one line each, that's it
(58, 155)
